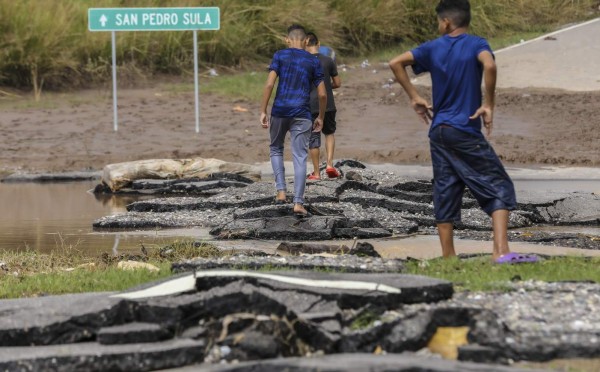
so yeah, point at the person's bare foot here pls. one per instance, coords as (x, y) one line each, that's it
(299, 210)
(280, 198)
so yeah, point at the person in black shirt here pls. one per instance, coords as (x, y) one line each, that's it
(332, 81)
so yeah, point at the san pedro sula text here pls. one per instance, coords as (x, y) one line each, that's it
(163, 19)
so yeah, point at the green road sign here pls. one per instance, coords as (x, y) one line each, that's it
(153, 19)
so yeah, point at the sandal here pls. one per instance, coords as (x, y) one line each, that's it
(332, 172)
(513, 258)
(302, 214)
(280, 201)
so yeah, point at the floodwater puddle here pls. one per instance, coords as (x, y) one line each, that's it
(44, 217)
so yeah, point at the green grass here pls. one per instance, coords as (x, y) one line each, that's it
(68, 270)
(246, 86)
(507, 40)
(364, 320)
(249, 86)
(46, 45)
(480, 274)
(28, 273)
(78, 281)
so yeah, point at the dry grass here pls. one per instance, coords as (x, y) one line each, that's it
(46, 45)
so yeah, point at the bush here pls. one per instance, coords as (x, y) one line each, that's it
(47, 44)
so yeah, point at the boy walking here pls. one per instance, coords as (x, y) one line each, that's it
(298, 72)
(332, 81)
(460, 154)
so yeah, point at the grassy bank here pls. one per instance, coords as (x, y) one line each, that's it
(480, 274)
(28, 274)
(46, 45)
(67, 270)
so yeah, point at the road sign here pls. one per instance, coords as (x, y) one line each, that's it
(154, 19)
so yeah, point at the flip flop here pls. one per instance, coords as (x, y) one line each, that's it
(302, 214)
(513, 258)
(280, 201)
(332, 172)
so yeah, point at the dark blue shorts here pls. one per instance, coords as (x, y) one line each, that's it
(460, 159)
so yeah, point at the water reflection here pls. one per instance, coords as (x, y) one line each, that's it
(116, 204)
(47, 217)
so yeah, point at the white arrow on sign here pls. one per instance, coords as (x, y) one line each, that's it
(103, 20)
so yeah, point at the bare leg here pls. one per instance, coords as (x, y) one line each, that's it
(446, 233)
(330, 146)
(500, 226)
(314, 156)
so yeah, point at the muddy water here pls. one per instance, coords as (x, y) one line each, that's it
(47, 217)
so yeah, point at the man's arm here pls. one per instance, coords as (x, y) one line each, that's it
(336, 82)
(268, 90)
(322, 94)
(419, 104)
(489, 74)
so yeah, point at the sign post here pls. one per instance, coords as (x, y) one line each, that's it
(154, 19)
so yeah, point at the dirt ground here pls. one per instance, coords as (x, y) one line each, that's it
(74, 131)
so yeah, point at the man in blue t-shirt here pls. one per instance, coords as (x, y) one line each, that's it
(298, 72)
(460, 154)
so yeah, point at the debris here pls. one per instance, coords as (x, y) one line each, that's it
(447, 340)
(136, 265)
(239, 108)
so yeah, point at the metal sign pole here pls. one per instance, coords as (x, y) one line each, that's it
(155, 19)
(196, 93)
(114, 78)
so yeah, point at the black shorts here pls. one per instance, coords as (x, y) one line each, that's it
(329, 127)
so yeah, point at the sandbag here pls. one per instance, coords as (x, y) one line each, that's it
(119, 175)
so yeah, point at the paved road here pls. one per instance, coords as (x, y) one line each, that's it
(566, 59)
(420, 246)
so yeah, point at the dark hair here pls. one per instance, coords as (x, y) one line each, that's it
(457, 11)
(312, 39)
(296, 32)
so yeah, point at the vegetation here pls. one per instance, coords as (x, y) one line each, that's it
(364, 320)
(247, 86)
(46, 45)
(67, 270)
(89, 279)
(480, 274)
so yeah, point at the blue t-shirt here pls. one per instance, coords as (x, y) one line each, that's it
(298, 72)
(456, 76)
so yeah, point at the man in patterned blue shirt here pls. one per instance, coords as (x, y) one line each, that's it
(298, 72)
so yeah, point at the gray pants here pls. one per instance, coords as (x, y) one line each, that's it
(299, 129)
